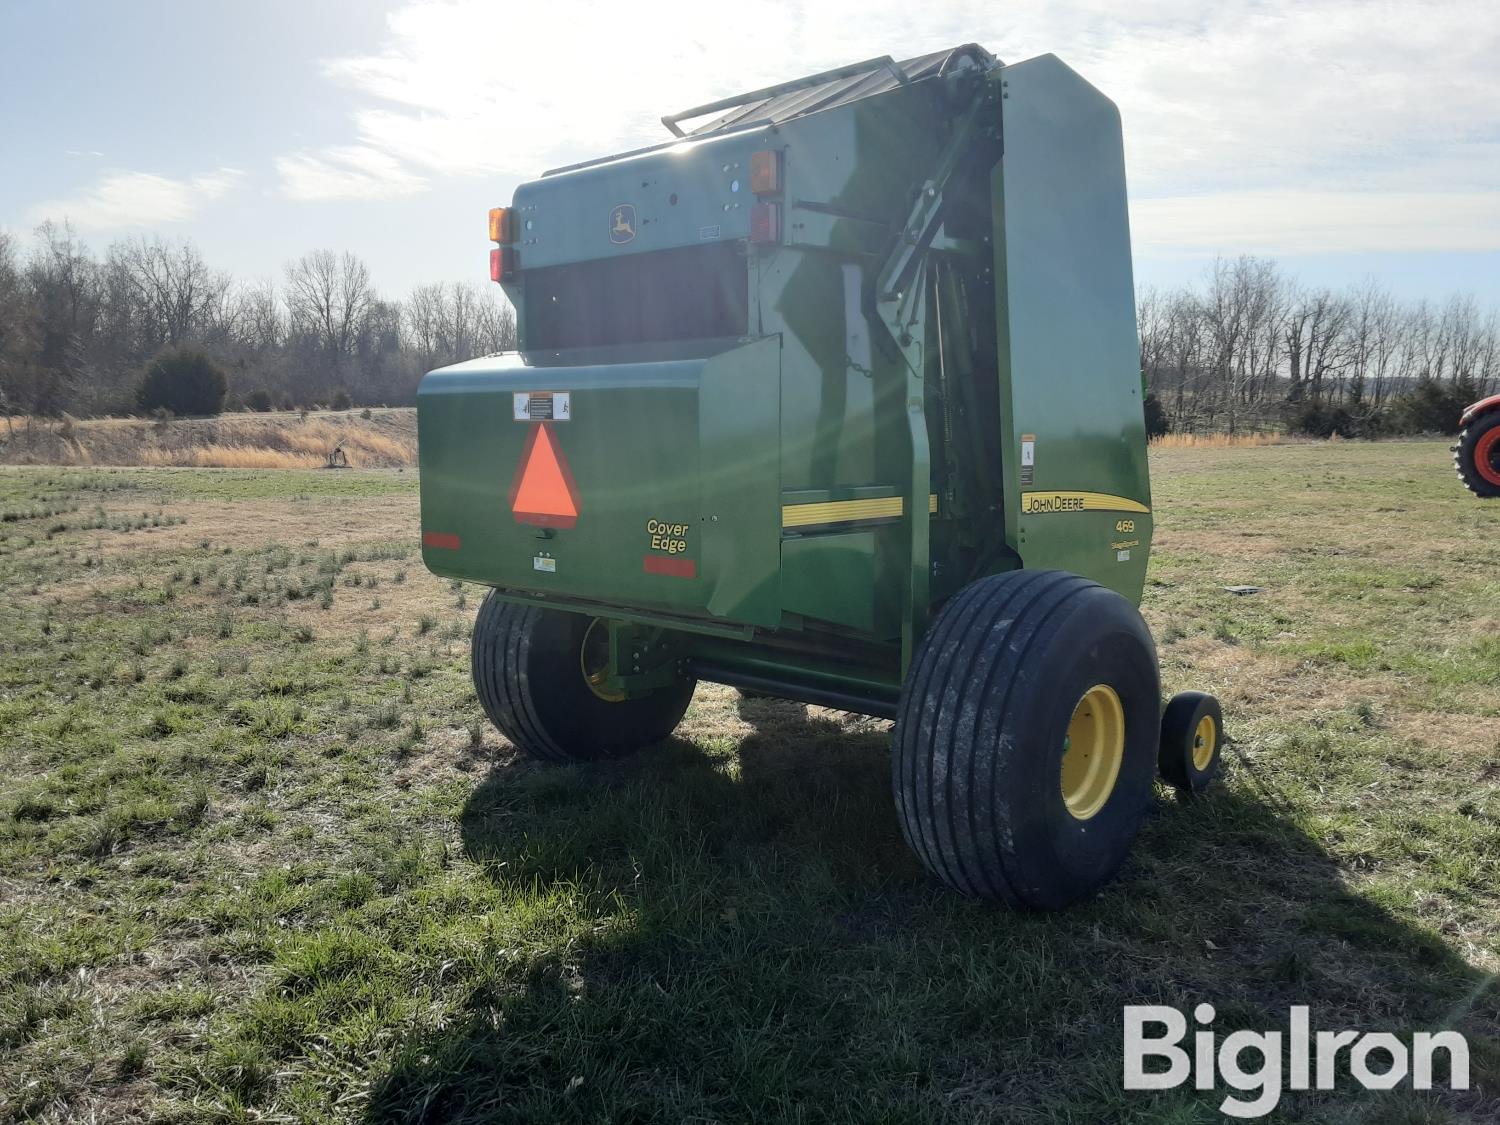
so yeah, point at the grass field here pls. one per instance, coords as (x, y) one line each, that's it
(261, 860)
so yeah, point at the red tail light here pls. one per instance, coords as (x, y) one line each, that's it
(765, 222)
(503, 263)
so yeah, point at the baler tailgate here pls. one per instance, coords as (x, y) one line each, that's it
(607, 479)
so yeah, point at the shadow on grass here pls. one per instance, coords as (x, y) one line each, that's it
(747, 938)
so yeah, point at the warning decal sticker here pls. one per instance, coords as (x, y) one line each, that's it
(542, 406)
(543, 493)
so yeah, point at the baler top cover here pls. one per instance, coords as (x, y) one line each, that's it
(828, 90)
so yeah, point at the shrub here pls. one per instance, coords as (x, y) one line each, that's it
(183, 382)
(1324, 420)
(1434, 407)
(1318, 419)
(340, 400)
(1156, 416)
(259, 400)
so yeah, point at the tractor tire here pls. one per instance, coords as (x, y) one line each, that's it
(1192, 736)
(1024, 751)
(529, 674)
(1477, 455)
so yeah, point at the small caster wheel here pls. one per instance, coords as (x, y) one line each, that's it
(1192, 735)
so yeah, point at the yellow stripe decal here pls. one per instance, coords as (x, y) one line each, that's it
(846, 511)
(1043, 503)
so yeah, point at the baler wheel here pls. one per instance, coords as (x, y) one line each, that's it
(529, 673)
(1192, 736)
(1024, 750)
(1477, 455)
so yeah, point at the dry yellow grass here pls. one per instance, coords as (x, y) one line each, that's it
(364, 447)
(386, 439)
(1217, 441)
(216, 456)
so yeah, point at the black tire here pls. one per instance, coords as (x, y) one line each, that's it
(1192, 738)
(530, 681)
(1480, 440)
(981, 733)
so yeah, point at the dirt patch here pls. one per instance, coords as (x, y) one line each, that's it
(250, 524)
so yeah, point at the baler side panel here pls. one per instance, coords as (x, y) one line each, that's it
(844, 423)
(1065, 317)
(739, 407)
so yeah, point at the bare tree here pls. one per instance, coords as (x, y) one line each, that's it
(1317, 351)
(15, 345)
(1487, 360)
(62, 278)
(1374, 338)
(423, 323)
(1241, 311)
(1235, 350)
(262, 322)
(175, 290)
(1465, 345)
(1153, 322)
(449, 322)
(328, 296)
(496, 330)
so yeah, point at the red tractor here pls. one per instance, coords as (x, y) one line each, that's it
(1477, 454)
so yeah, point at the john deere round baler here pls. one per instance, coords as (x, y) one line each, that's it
(835, 397)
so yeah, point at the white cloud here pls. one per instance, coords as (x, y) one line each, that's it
(137, 199)
(1278, 97)
(1291, 222)
(473, 87)
(346, 172)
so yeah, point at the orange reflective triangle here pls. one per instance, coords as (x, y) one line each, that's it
(543, 492)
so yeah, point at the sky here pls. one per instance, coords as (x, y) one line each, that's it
(1350, 139)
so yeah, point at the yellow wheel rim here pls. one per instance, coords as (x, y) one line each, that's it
(1204, 739)
(593, 661)
(1094, 749)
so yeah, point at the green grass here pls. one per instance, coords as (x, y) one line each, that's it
(259, 860)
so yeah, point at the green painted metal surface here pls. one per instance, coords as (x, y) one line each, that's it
(1070, 368)
(695, 192)
(677, 499)
(846, 578)
(939, 380)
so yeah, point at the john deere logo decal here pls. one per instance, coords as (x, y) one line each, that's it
(622, 222)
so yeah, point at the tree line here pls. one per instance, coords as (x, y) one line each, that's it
(79, 332)
(1246, 349)
(1250, 349)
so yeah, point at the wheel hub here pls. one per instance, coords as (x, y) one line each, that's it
(1487, 456)
(1203, 742)
(1093, 751)
(593, 661)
